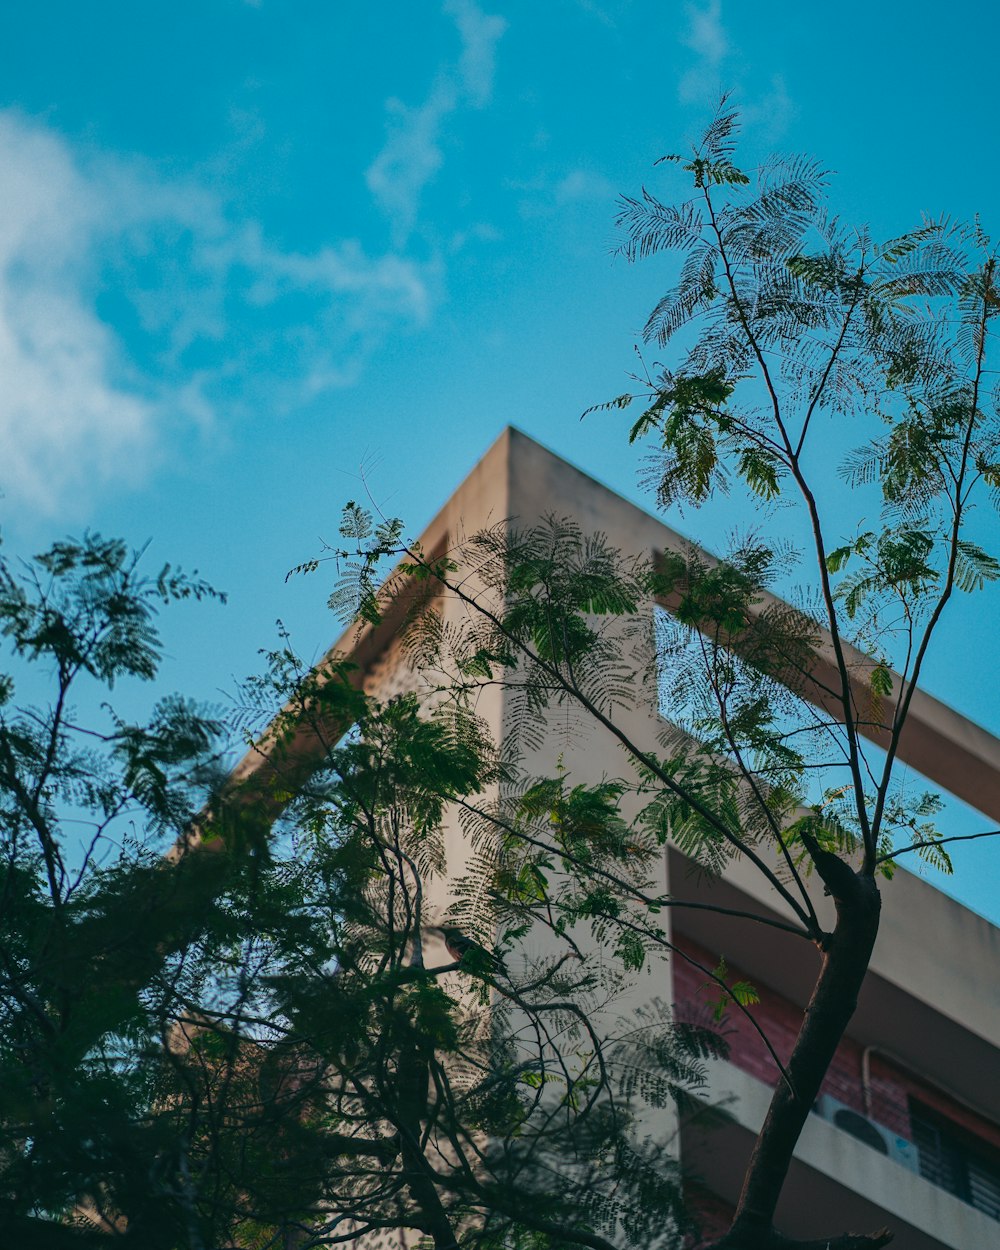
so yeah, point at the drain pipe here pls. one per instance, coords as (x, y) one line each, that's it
(866, 1078)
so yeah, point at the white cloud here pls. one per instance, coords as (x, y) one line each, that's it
(714, 69)
(480, 32)
(550, 191)
(583, 184)
(771, 114)
(65, 417)
(478, 232)
(596, 10)
(129, 303)
(411, 155)
(706, 37)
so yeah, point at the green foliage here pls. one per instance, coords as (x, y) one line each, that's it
(741, 993)
(791, 323)
(93, 944)
(224, 1045)
(355, 593)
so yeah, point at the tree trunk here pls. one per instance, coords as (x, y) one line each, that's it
(834, 999)
(412, 1082)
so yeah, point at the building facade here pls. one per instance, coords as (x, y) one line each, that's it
(906, 1132)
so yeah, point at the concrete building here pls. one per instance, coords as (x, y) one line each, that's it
(907, 1131)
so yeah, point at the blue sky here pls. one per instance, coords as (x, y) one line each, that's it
(250, 251)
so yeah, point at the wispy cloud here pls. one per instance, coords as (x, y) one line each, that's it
(599, 12)
(411, 155)
(716, 67)
(583, 184)
(771, 114)
(480, 33)
(706, 38)
(129, 304)
(551, 191)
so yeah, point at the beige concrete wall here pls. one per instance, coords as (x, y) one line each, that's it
(926, 935)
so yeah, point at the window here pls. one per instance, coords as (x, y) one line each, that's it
(956, 1161)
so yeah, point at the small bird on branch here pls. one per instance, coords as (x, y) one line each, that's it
(463, 948)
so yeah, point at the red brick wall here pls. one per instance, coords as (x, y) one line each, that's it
(891, 1086)
(891, 1089)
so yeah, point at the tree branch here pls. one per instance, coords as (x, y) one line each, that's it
(919, 846)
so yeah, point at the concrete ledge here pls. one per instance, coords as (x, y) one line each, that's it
(838, 1183)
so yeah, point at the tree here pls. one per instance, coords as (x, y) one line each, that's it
(793, 339)
(274, 1046)
(800, 321)
(470, 1092)
(221, 1030)
(92, 944)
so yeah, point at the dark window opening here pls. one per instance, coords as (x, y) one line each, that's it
(956, 1161)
